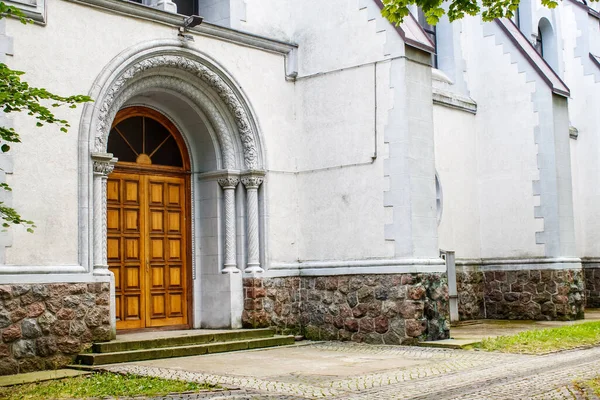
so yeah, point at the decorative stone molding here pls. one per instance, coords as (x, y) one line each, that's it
(229, 183)
(252, 180)
(247, 134)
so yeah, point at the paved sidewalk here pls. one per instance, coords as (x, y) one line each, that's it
(356, 371)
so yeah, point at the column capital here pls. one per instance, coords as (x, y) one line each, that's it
(228, 181)
(104, 163)
(253, 179)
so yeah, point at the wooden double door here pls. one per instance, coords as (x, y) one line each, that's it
(146, 249)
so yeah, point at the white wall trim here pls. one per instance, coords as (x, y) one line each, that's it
(34, 9)
(53, 277)
(454, 100)
(41, 269)
(357, 267)
(519, 264)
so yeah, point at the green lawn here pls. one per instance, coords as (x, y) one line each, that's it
(545, 340)
(100, 385)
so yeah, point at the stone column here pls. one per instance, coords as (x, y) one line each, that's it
(228, 183)
(104, 163)
(252, 181)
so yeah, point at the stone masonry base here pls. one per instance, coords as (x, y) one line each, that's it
(44, 326)
(470, 288)
(592, 284)
(526, 294)
(389, 309)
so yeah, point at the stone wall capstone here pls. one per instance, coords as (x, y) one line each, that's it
(44, 326)
(388, 309)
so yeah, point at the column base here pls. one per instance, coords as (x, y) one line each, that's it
(231, 269)
(102, 270)
(254, 269)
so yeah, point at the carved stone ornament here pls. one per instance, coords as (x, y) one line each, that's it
(229, 182)
(104, 163)
(252, 181)
(205, 74)
(178, 85)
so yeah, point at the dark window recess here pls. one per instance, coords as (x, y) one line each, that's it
(187, 7)
(431, 32)
(539, 43)
(138, 139)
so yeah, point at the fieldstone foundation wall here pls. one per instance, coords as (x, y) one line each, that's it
(537, 295)
(44, 326)
(470, 287)
(592, 284)
(390, 309)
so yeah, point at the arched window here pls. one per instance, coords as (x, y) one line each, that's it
(539, 43)
(142, 136)
(546, 44)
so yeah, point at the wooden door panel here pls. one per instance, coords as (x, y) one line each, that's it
(132, 191)
(157, 221)
(147, 249)
(166, 256)
(113, 190)
(156, 193)
(158, 278)
(133, 305)
(125, 247)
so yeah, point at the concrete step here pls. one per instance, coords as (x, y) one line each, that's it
(189, 338)
(182, 351)
(450, 343)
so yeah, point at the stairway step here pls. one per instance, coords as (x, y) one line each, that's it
(181, 351)
(183, 340)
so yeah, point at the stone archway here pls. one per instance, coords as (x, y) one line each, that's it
(167, 68)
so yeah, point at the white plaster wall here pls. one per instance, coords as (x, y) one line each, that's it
(582, 35)
(338, 184)
(506, 150)
(66, 56)
(456, 156)
(331, 34)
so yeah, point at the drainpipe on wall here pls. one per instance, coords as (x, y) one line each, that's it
(449, 257)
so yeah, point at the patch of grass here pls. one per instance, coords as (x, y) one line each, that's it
(594, 385)
(586, 389)
(545, 340)
(100, 385)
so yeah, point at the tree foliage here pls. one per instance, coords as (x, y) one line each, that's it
(396, 10)
(17, 96)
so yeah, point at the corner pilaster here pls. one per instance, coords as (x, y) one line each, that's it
(229, 183)
(252, 181)
(103, 165)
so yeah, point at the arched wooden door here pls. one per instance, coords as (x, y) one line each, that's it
(148, 221)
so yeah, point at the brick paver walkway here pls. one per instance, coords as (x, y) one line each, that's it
(438, 374)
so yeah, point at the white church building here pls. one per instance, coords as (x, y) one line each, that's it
(297, 165)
